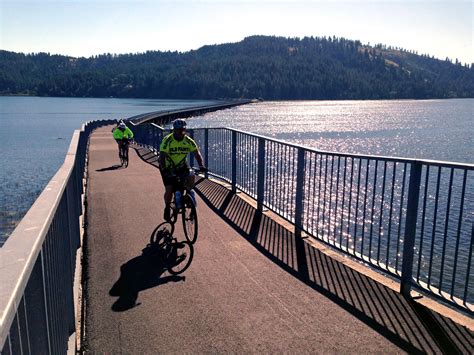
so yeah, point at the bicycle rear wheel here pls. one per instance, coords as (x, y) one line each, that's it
(181, 257)
(190, 220)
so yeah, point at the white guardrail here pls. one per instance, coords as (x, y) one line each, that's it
(37, 262)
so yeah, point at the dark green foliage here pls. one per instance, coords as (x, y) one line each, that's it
(259, 66)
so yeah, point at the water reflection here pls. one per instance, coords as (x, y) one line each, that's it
(406, 128)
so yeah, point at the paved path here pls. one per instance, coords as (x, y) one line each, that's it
(243, 291)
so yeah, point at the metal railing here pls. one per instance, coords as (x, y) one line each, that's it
(412, 219)
(37, 262)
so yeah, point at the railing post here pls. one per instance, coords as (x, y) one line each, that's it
(158, 138)
(234, 161)
(206, 150)
(410, 228)
(299, 207)
(260, 173)
(299, 198)
(149, 137)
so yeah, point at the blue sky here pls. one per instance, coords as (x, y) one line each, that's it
(84, 28)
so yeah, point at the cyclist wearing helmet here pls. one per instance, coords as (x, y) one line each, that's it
(122, 135)
(117, 124)
(174, 150)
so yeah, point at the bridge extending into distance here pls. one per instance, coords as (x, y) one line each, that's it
(298, 250)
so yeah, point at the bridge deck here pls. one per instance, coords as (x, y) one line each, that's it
(243, 291)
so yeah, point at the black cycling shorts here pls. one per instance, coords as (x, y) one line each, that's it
(169, 179)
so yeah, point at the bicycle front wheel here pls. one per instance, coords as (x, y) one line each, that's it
(182, 256)
(190, 220)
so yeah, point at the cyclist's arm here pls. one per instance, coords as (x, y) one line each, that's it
(198, 156)
(164, 150)
(162, 160)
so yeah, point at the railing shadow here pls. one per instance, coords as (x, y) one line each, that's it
(138, 274)
(406, 323)
(146, 155)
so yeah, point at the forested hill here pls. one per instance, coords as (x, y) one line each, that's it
(258, 66)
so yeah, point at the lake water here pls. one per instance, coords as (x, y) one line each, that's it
(37, 131)
(429, 129)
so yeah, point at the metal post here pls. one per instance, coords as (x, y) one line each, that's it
(299, 198)
(260, 173)
(234, 161)
(206, 150)
(410, 228)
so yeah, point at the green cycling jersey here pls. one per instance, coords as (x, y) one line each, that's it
(125, 134)
(177, 150)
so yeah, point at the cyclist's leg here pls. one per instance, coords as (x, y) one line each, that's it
(168, 197)
(122, 154)
(126, 150)
(168, 182)
(189, 182)
(118, 146)
(168, 194)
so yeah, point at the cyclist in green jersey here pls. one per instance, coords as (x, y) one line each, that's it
(174, 150)
(122, 135)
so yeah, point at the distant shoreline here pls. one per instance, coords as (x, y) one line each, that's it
(202, 99)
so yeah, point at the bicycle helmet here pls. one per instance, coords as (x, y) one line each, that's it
(122, 125)
(179, 123)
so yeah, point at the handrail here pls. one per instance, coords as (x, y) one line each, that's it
(37, 261)
(352, 155)
(450, 164)
(409, 218)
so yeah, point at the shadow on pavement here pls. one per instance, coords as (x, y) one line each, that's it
(113, 167)
(140, 273)
(406, 323)
(146, 155)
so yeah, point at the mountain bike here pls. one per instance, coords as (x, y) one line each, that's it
(187, 208)
(123, 152)
(177, 255)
